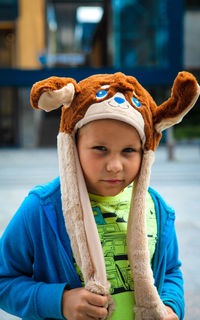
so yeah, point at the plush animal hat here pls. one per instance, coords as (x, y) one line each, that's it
(120, 97)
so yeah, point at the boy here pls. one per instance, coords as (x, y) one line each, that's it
(106, 142)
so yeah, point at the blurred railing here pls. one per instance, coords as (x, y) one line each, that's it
(22, 78)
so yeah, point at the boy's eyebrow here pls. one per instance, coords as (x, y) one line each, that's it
(98, 142)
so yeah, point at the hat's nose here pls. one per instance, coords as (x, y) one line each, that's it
(119, 100)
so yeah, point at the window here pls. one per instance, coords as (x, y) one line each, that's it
(71, 28)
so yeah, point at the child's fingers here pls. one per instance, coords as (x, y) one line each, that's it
(97, 305)
(97, 300)
(97, 312)
(81, 304)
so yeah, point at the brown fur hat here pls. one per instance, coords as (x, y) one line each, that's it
(120, 97)
(82, 95)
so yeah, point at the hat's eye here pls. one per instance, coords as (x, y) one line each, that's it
(101, 94)
(136, 102)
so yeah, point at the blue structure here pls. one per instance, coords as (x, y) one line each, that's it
(147, 43)
(8, 9)
(142, 38)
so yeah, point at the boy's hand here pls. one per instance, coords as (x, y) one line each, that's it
(82, 304)
(171, 314)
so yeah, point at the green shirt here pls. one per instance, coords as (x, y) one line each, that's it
(111, 216)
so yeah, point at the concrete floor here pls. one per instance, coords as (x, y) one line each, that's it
(177, 181)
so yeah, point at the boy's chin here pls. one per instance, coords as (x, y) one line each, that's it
(108, 188)
(113, 194)
(107, 192)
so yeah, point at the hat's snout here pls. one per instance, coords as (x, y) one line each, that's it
(118, 101)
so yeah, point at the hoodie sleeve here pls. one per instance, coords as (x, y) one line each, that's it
(166, 264)
(20, 294)
(172, 292)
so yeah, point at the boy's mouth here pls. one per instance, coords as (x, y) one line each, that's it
(112, 181)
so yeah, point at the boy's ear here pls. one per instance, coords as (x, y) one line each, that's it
(52, 93)
(185, 92)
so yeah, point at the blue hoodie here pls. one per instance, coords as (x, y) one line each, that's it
(36, 262)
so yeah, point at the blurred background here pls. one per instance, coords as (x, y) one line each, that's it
(150, 39)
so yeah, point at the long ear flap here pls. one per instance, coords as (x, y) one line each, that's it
(185, 92)
(52, 93)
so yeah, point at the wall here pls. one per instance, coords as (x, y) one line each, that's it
(30, 39)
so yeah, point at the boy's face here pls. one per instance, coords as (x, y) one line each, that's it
(110, 154)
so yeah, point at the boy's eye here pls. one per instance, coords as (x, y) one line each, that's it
(101, 94)
(100, 148)
(128, 150)
(136, 102)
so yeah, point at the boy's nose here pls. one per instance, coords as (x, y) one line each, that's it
(114, 165)
(119, 100)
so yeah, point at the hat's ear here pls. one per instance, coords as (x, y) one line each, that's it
(52, 93)
(185, 92)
